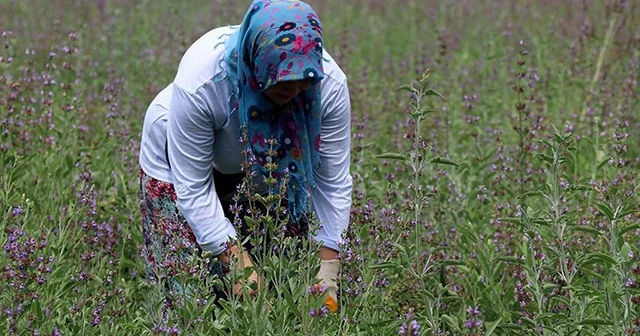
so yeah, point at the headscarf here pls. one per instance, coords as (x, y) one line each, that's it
(280, 40)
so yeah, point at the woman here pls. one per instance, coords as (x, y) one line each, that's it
(268, 78)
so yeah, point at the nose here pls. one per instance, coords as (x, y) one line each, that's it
(291, 91)
(294, 88)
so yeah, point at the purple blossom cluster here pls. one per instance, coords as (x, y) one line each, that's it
(411, 327)
(70, 102)
(319, 312)
(49, 111)
(473, 321)
(25, 273)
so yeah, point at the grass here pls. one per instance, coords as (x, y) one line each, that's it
(510, 207)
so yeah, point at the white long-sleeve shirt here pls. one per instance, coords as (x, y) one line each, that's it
(193, 117)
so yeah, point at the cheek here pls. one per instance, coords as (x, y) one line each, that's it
(271, 92)
(288, 91)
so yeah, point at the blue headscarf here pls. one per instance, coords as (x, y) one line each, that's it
(278, 41)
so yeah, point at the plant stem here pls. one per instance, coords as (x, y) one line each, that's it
(416, 180)
(613, 22)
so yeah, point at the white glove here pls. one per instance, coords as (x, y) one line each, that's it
(327, 275)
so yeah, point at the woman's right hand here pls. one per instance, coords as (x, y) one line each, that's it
(243, 260)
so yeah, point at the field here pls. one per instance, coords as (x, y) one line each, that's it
(495, 159)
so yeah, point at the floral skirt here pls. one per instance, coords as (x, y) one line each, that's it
(169, 243)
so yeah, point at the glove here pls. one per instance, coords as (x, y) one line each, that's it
(327, 275)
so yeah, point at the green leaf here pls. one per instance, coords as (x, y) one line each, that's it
(512, 220)
(452, 262)
(594, 321)
(381, 324)
(550, 328)
(510, 326)
(491, 326)
(560, 299)
(629, 209)
(70, 162)
(577, 187)
(497, 270)
(250, 221)
(511, 260)
(392, 156)
(529, 321)
(628, 228)
(625, 250)
(385, 265)
(531, 194)
(402, 249)
(586, 229)
(602, 163)
(409, 88)
(604, 209)
(592, 274)
(451, 322)
(596, 257)
(544, 157)
(564, 160)
(545, 141)
(542, 221)
(290, 302)
(444, 161)
(432, 92)
(420, 114)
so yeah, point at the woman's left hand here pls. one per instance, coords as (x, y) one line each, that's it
(243, 260)
(327, 275)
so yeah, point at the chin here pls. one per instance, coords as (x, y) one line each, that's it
(278, 101)
(282, 102)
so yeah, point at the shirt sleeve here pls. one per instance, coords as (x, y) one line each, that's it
(332, 195)
(190, 139)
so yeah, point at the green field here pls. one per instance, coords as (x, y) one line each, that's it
(508, 206)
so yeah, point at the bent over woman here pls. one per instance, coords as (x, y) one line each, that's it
(269, 78)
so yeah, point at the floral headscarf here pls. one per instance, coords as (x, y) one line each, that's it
(280, 40)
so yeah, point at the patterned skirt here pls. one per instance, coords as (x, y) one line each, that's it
(169, 243)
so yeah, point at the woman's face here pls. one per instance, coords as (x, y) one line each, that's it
(283, 92)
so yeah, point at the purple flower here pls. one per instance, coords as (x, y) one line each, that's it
(156, 329)
(631, 283)
(412, 329)
(17, 211)
(318, 312)
(317, 289)
(472, 323)
(473, 311)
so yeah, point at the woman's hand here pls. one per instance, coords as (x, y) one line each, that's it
(328, 273)
(243, 260)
